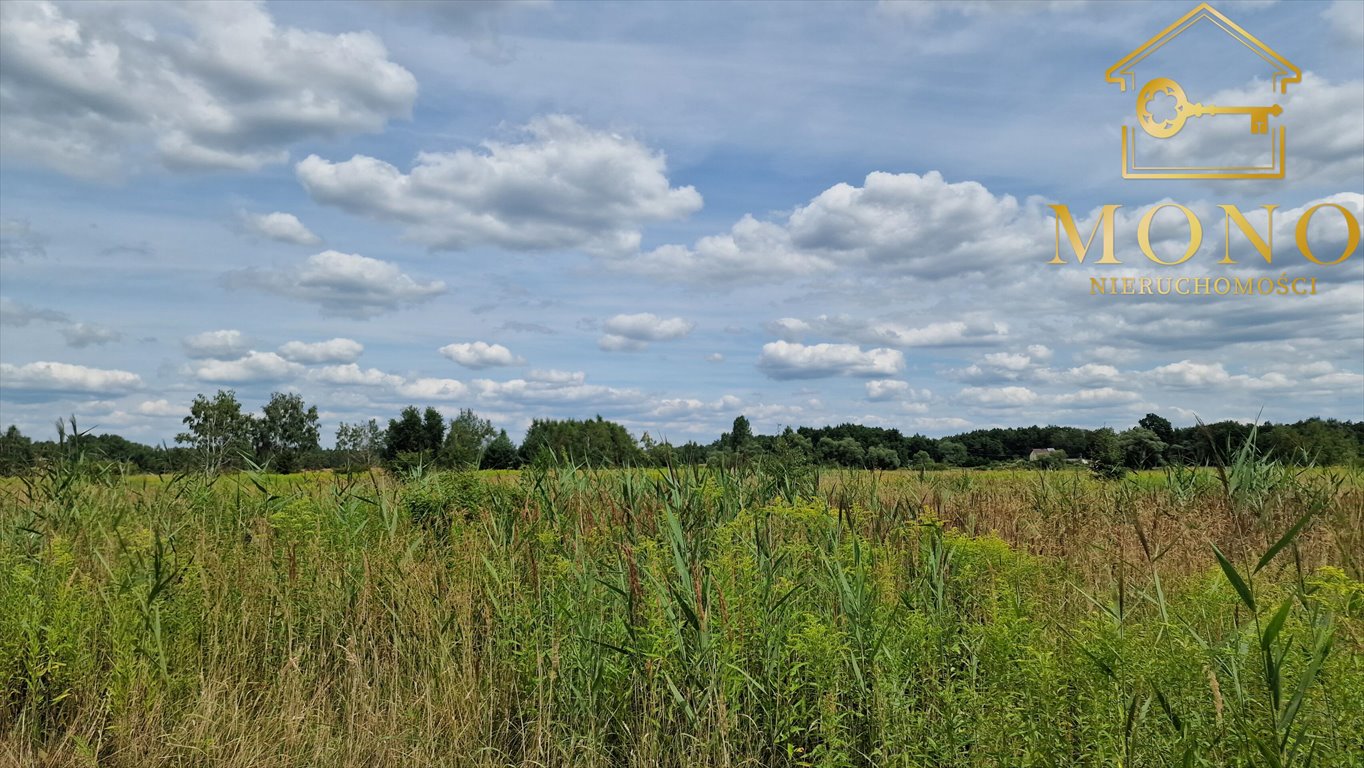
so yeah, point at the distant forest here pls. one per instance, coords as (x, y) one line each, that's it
(219, 435)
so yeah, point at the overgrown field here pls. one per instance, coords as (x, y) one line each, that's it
(762, 616)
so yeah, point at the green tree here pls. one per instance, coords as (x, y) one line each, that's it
(846, 452)
(501, 453)
(881, 457)
(467, 440)
(596, 441)
(16, 452)
(1141, 448)
(285, 431)
(1105, 453)
(953, 453)
(921, 461)
(1161, 426)
(361, 444)
(405, 435)
(740, 435)
(433, 431)
(217, 430)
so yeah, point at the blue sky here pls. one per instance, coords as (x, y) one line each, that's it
(664, 213)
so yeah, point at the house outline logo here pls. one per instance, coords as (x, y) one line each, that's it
(1284, 72)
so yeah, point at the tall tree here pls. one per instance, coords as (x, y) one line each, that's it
(16, 452)
(405, 434)
(361, 444)
(741, 434)
(217, 430)
(469, 437)
(501, 453)
(285, 431)
(1161, 426)
(433, 431)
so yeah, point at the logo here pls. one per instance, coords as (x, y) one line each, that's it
(1176, 137)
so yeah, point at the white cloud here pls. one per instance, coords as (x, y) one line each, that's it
(715, 357)
(998, 397)
(283, 227)
(161, 408)
(203, 85)
(61, 378)
(1187, 373)
(218, 345)
(343, 284)
(971, 329)
(634, 332)
(1346, 19)
(612, 343)
(1323, 122)
(480, 354)
(1102, 397)
(18, 240)
(879, 390)
(646, 326)
(352, 375)
(253, 367)
(336, 350)
(81, 335)
(563, 186)
(433, 389)
(17, 313)
(899, 224)
(77, 335)
(787, 360)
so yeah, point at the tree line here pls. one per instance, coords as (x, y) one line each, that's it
(285, 436)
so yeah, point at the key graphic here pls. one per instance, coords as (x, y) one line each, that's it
(1164, 129)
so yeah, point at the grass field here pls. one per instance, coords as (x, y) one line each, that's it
(750, 617)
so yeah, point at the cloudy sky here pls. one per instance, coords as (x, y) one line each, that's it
(664, 213)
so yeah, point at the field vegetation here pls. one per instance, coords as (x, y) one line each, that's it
(747, 613)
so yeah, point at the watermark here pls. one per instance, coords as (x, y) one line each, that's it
(1180, 139)
(1161, 123)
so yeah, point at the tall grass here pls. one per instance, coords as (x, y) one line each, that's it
(742, 616)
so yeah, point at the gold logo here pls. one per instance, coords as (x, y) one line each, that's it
(1163, 111)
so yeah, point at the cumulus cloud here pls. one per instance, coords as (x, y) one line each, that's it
(880, 390)
(77, 334)
(19, 314)
(476, 22)
(901, 224)
(219, 345)
(998, 397)
(352, 375)
(433, 389)
(343, 284)
(253, 367)
(479, 354)
(1323, 121)
(81, 335)
(562, 186)
(18, 240)
(787, 360)
(336, 350)
(85, 87)
(634, 332)
(970, 329)
(64, 378)
(161, 408)
(283, 227)
(1346, 21)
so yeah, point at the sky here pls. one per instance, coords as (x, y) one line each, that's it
(666, 214)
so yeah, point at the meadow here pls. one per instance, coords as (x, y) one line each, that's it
(759, 615)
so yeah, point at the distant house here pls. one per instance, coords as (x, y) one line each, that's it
(1039, 453)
